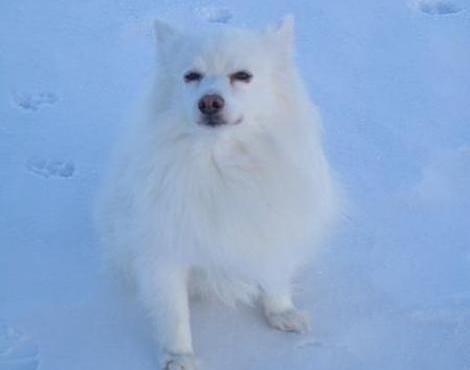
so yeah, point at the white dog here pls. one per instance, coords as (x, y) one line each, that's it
(222, 185)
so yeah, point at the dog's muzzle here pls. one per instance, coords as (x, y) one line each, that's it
(211, 106)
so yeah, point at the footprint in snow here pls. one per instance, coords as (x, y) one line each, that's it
(17, 350)
(438, 7)
(215, 14)
(307, 343)
(34, 101)
(51, 168)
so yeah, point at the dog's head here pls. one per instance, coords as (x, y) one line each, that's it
(224, 77)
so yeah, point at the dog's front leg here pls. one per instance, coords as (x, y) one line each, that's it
(279, 309)
(163, 290)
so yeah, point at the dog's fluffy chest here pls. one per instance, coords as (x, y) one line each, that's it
(234, 200)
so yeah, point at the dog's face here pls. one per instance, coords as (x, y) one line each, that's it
(226, 77)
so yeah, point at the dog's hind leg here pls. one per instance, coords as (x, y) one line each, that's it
(163, 291)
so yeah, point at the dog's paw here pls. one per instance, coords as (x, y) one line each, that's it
(290, 320)
(178, 361)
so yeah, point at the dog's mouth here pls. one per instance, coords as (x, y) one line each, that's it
(218, 120)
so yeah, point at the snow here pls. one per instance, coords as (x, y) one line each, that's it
(391, 291)
(438, 7)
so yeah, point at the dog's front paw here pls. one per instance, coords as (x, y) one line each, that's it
(179, 361)
(290, 320)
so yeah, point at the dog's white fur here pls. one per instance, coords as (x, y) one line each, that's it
(233, 209)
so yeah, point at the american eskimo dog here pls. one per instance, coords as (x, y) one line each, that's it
(222, 185)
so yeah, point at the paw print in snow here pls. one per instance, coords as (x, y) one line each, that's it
(17, 351)
(47, 168)
(34, 101)
(215, 14)
(438, 7)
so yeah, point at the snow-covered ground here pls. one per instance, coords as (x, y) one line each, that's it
(391, 291)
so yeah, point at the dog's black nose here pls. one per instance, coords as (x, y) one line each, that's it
(211, 104)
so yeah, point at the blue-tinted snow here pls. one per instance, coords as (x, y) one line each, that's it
(392, 290)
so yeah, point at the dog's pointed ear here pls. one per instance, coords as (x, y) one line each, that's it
(283, 32)
(164, 33)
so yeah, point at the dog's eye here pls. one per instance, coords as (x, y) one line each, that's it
(193, 76)
(241, 76)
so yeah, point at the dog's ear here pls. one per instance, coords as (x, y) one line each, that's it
(285, 30)
(283, 33)
(164, 33)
